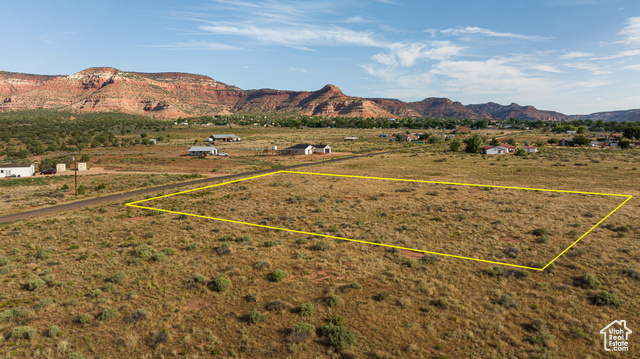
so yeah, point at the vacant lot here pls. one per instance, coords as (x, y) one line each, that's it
(522, 227)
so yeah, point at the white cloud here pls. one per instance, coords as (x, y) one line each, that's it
(407, 54)
(632, 67)
(586, 66)
(298, 35)
(473, 30)
(575, 54)
(197, 45)
(621, 54)
(298, 69)
(632, 31)
(546, 68)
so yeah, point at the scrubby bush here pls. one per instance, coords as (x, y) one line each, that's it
(273, 243)
(440, 302)
(23, 333)
(381, 296)
(107, 314)
(540, 338)
(14, 313)
(306, 309)
(83, 319)
(168, 251)
(34, 284)
(537, 324)
(219, 283)
(44, 303)
(337, 336)
(302, 241)
(53, 331)
(506, 301)
(320, 246)
(338, 320)
(278, 275)
(334, 301)
(144, 251)
(262, 265)
(494, 271)
(117, 277)
(43, 253)
(193, 246)
(588, 281)
(301, 332)
(136, 316)
(429, 259)
(355, 285)
(4, 261)
(606, 298)
(277, 306)
(540, 231)
(255, 317)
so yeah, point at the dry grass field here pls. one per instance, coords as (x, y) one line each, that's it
(118, 282)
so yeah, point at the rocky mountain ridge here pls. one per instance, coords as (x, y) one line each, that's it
(172, 95)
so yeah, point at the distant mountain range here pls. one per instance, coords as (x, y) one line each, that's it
(172, 95)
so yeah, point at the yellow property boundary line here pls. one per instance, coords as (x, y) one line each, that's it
(628, 197)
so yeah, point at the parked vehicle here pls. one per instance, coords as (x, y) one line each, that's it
(49, 172)
(223, 154)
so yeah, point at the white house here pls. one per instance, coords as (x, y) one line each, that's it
(14, 170)
(301, 149)
(321, 149)
(351, 138)
(224, 138)
(593, 144)
(199, 151)
(530, 149)
(491, 150)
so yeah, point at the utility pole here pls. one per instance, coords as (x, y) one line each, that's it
(75, 170)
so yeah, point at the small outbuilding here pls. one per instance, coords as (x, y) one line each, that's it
(321, 149)
(200, 151)
(493, 150)
(351, 138)
(17, 170)
(530, 149)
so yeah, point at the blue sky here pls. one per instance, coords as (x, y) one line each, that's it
(573, 56)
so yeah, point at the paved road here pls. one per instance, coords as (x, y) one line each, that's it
(145, 191)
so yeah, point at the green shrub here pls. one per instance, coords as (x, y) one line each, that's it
(109, 287)
(543, 238)
(279, 275)
(53, 331)
(337, 336)
(355, 285)
(43, 253)
(494, 271)
(83, 319)
(117, 277)
(76, 355)
(540, 231)
(262, 265)
(193, 246)
(301, 332)
(408, 262)
(159, 257)
(537, 324)
(107, 314)
(334, 301)
(4, 261)
(429, 259)
(44, 303)
(274, 243)
(96, 292)
(255, 317)
(14, 313)
(440, 302)
(306, 309)
(34, 284)
(71, 302)
(506, 301)
(302, 241)
(338, 320)
(219, 283)
(320, 246)
(144, 252)
(606, 298)
(168, 251)
(588, 281)
(381, 296)
(243, 239)
(23, 333)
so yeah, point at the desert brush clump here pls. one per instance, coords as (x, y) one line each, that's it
(23, 333)
(136, 316)
(278, 275)
(219, 283)
(107, 314)
(117, 277)
(255, 317)
(337, 336)
(306, 309)
(301, 332)
(588, 281)
(606, 298)
(54, 331)
(147, 253)
(34, 284)
(277, 306)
